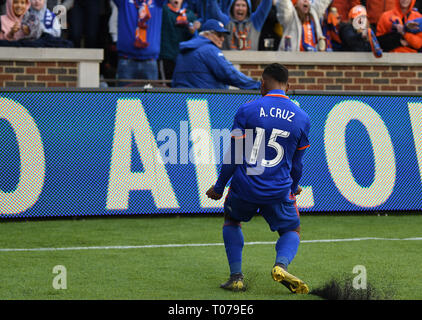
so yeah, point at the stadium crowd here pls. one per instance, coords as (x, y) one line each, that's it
(147, 39)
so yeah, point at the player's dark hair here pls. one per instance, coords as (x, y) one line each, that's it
(277, 72)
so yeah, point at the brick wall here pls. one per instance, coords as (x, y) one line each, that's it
(347, 77)
(38, 74)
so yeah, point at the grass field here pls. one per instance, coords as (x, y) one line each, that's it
(194, 272)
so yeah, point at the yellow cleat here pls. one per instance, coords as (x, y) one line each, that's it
(235, 283)
(291, 282)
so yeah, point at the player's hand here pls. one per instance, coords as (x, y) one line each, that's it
(212, 194)
(299, 190)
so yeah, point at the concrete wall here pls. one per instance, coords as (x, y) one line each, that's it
(310, 71)
(338, 71)
(50, 67)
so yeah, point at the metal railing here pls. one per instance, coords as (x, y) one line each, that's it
(137, 83)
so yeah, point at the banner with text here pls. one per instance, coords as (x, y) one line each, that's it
(111, 153)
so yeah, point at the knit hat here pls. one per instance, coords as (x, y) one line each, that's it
(294, 2)
(357, 11)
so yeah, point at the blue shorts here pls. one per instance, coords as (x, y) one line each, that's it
(281, 217)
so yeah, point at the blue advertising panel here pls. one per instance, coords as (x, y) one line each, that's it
(115, 152)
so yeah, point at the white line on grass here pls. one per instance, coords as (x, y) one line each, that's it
(194, 245)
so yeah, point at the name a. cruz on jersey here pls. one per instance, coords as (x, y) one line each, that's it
(277, 113)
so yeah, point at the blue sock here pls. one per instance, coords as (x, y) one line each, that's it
(286, 247)
(233, 242)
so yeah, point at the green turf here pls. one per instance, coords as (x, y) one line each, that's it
(393, 267)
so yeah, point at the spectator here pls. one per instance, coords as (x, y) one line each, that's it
(201, 64)
(84, 21)
(271, 32)
(107, 43)
(243, 25)
(18, 23)
(376, 8)
(344, 7)
(108, 67)
(138, 41)
(178, 25)
(354, 34)
(49, 22)
(300, 17)
(199, 7)
(391, 31)
(110, 54)
(331, 29)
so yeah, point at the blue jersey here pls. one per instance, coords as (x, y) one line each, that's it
(275, 134)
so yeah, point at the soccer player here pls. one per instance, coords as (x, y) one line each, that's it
(266, 179)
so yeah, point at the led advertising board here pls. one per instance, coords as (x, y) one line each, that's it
(90, 153)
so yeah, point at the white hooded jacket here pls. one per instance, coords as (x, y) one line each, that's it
(50, 23)
(292, 26)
